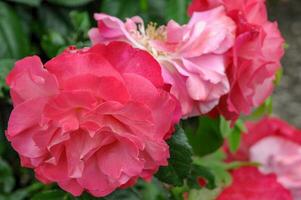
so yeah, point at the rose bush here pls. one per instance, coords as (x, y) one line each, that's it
(91, 119)
(191, 55)
(255, 57)
(276, 145)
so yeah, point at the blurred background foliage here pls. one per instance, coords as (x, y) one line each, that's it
(46, 27)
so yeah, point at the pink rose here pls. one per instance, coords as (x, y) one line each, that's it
(255, 57)
(277, 147)
(249, 184)
(92, 119)
(191, 55)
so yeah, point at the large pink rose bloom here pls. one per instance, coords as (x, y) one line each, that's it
(276, 145)
(249, 184)
(191, 55)
(255, 57)
(93, 119)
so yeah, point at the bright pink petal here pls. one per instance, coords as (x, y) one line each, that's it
(134, 61)
(26, 115)
(29, 80)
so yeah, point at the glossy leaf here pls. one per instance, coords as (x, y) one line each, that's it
(204, 134)
(179, 162)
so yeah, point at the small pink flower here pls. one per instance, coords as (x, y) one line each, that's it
(255, 57)
(249, 184)
(191, 55)
(93, 119)
(277, 147)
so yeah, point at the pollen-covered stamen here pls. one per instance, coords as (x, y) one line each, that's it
(150, 33)
(156, 33)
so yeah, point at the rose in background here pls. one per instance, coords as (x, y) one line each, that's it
(249, 184)
(255, 57)
(191, 55)
(276, 146)
(91, 119)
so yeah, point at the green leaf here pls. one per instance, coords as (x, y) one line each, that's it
(143, 5)
(265, 109)
(5, 67)
(149, 10)
(129, 194)
(204, 194)
(29, 2)
(278, 77)
(204, 134)
(51, 195)
(80, 20)
(224, 127)
(126, 194)
(215, 162)
(70, 3)
(7, 181)
(234, 137)
(14, 41)
(201, 172)
(240, 124)
(18, 195)
(52, 43)
(234, 140)
(157, 11)
(180, 160)
(176, 10)
(54, 19)
(153, 190)
(121, 9)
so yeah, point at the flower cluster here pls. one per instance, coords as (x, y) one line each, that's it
(225, 57)
(191, 55)
(97, 119)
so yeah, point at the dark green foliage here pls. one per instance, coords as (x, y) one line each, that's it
(204, 134)
(179, 164)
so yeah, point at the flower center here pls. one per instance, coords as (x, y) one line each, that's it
(151, 33)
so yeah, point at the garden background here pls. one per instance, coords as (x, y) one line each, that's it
(47, 27)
